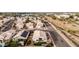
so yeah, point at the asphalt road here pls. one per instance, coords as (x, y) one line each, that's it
(58, 40)
(7, 26)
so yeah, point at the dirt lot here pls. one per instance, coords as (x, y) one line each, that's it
(71, 27)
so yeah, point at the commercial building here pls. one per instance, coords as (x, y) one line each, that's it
(22, 35)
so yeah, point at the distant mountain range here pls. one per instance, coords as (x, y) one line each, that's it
(49, 13)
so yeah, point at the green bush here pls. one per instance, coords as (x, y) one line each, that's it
(71, 31)
(39, 43)
(13, 44)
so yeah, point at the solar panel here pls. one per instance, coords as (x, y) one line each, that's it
(24, 34)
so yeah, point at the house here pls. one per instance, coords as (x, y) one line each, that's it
(24, 19)
(2, 44)
(1, 38)
(7, 35)
(76, 17)
(39, 35)
(6, 20)
(57, 16)
(19, 23)
(64, 16)
(39, 24)
(38, 18)
(30, 18)
(29, 25)
(1, 23)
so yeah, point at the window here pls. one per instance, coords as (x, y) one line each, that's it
(40, 39)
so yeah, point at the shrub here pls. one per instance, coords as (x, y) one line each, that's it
(13, 44)
(39, 43)
(71, 31)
